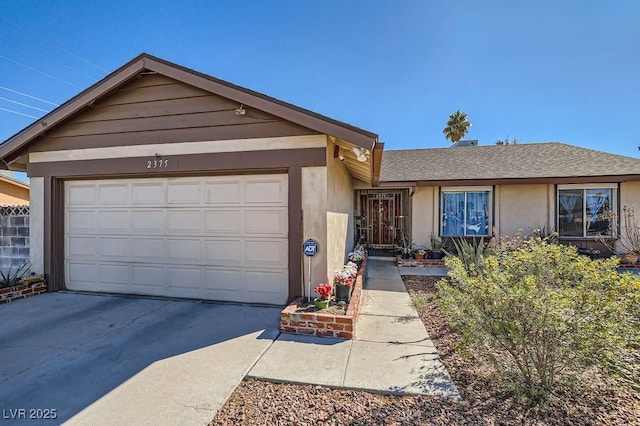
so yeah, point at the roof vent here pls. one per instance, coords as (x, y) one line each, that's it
(470, 142)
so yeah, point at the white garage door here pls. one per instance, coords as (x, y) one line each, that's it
(217, 238)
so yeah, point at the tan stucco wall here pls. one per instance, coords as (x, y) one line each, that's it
(340, 207)
(314, 221)
(12, 194)
(36, 225)
(523, 207)
(629, 196)
(424, 214)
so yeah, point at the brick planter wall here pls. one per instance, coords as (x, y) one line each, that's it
(32, 285)
(321, 324)
(421, 262)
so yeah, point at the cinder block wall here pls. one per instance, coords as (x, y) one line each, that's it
(14, 237)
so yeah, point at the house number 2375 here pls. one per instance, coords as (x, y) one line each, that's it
(157, 164)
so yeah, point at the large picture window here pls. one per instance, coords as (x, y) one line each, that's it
(582, 211)
(465, 212)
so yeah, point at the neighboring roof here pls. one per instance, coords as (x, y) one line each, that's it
(502, 162)
(14, 182)
(17, 143)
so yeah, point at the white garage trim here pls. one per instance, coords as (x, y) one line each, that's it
(217, 238)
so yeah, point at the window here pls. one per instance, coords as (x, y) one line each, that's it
(465, 212)
(582, 210)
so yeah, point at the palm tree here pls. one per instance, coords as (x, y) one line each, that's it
(457, 126)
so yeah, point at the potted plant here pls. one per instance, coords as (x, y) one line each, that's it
(343, 281)
(357, 256)
(436, 246)
(404, 248)
(420, 254)
(324, 290)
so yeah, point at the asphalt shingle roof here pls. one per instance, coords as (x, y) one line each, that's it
(536, 160)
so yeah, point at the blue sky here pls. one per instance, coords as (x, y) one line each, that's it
(564, 71)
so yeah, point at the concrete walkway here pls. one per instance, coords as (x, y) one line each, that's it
(392, 352)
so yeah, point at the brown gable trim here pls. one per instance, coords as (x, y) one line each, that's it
(17, 143)
(245, 162)
(511, 181)
(376, 163)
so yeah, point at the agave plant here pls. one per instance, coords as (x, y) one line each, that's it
(472, 253)
(12, 278)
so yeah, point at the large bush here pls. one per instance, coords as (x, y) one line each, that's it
(540, 311)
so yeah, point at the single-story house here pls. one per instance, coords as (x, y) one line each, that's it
(13, 192)
(161, 180)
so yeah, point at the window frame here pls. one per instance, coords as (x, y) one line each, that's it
(466, 189)
(615, 195)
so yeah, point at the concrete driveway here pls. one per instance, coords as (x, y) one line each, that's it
(98, 359)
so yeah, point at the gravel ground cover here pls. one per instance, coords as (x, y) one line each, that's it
(595, 402)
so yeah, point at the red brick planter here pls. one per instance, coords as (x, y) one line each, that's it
(33, 285)
(325, 325)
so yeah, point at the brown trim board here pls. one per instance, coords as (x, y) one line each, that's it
(176, 164)
(229, 163)
(513, 181)
(295, 232)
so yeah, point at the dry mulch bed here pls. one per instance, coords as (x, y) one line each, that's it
(598, 402)
(334, 308)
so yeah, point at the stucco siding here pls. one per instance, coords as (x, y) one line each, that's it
(424, 214)
(36, 225)
(629, 196)
(340, 210)
(314, 221)
(522, 207)
(11, 194)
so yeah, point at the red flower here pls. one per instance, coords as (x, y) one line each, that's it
(324, 290)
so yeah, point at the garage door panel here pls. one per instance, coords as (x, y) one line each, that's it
(81, 194)
(148, 221)
(265, 190)
(81, 247)
(222, 221)
(216, 237)
(114, 248)
(117, 221)
(180, 222)
(266, 253)
(265, 222)
(146, 193)
(81, 276)
(113, 194)
(265, 282)
(184, 251)
(225, 192)
(147, 249)
(222, 252)
(181, 192)
(81, 222)
(114, 275)
(148, 276)
(184, 278)
(223, 279)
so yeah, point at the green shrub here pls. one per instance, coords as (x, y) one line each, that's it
(472, 254)
(540, 312)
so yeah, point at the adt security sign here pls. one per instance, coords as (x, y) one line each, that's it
(310, 247)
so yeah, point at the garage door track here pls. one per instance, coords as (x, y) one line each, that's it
(76, 356)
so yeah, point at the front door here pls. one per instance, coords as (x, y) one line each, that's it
(380, 209)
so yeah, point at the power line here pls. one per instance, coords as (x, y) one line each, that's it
(40, 72)
(20, 103)
(28, 96)
(50, 59)
(19, 113)
(57, 46)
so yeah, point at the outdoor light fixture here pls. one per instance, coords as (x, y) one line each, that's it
(240, 111)
(340, 154)
(361, 154)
